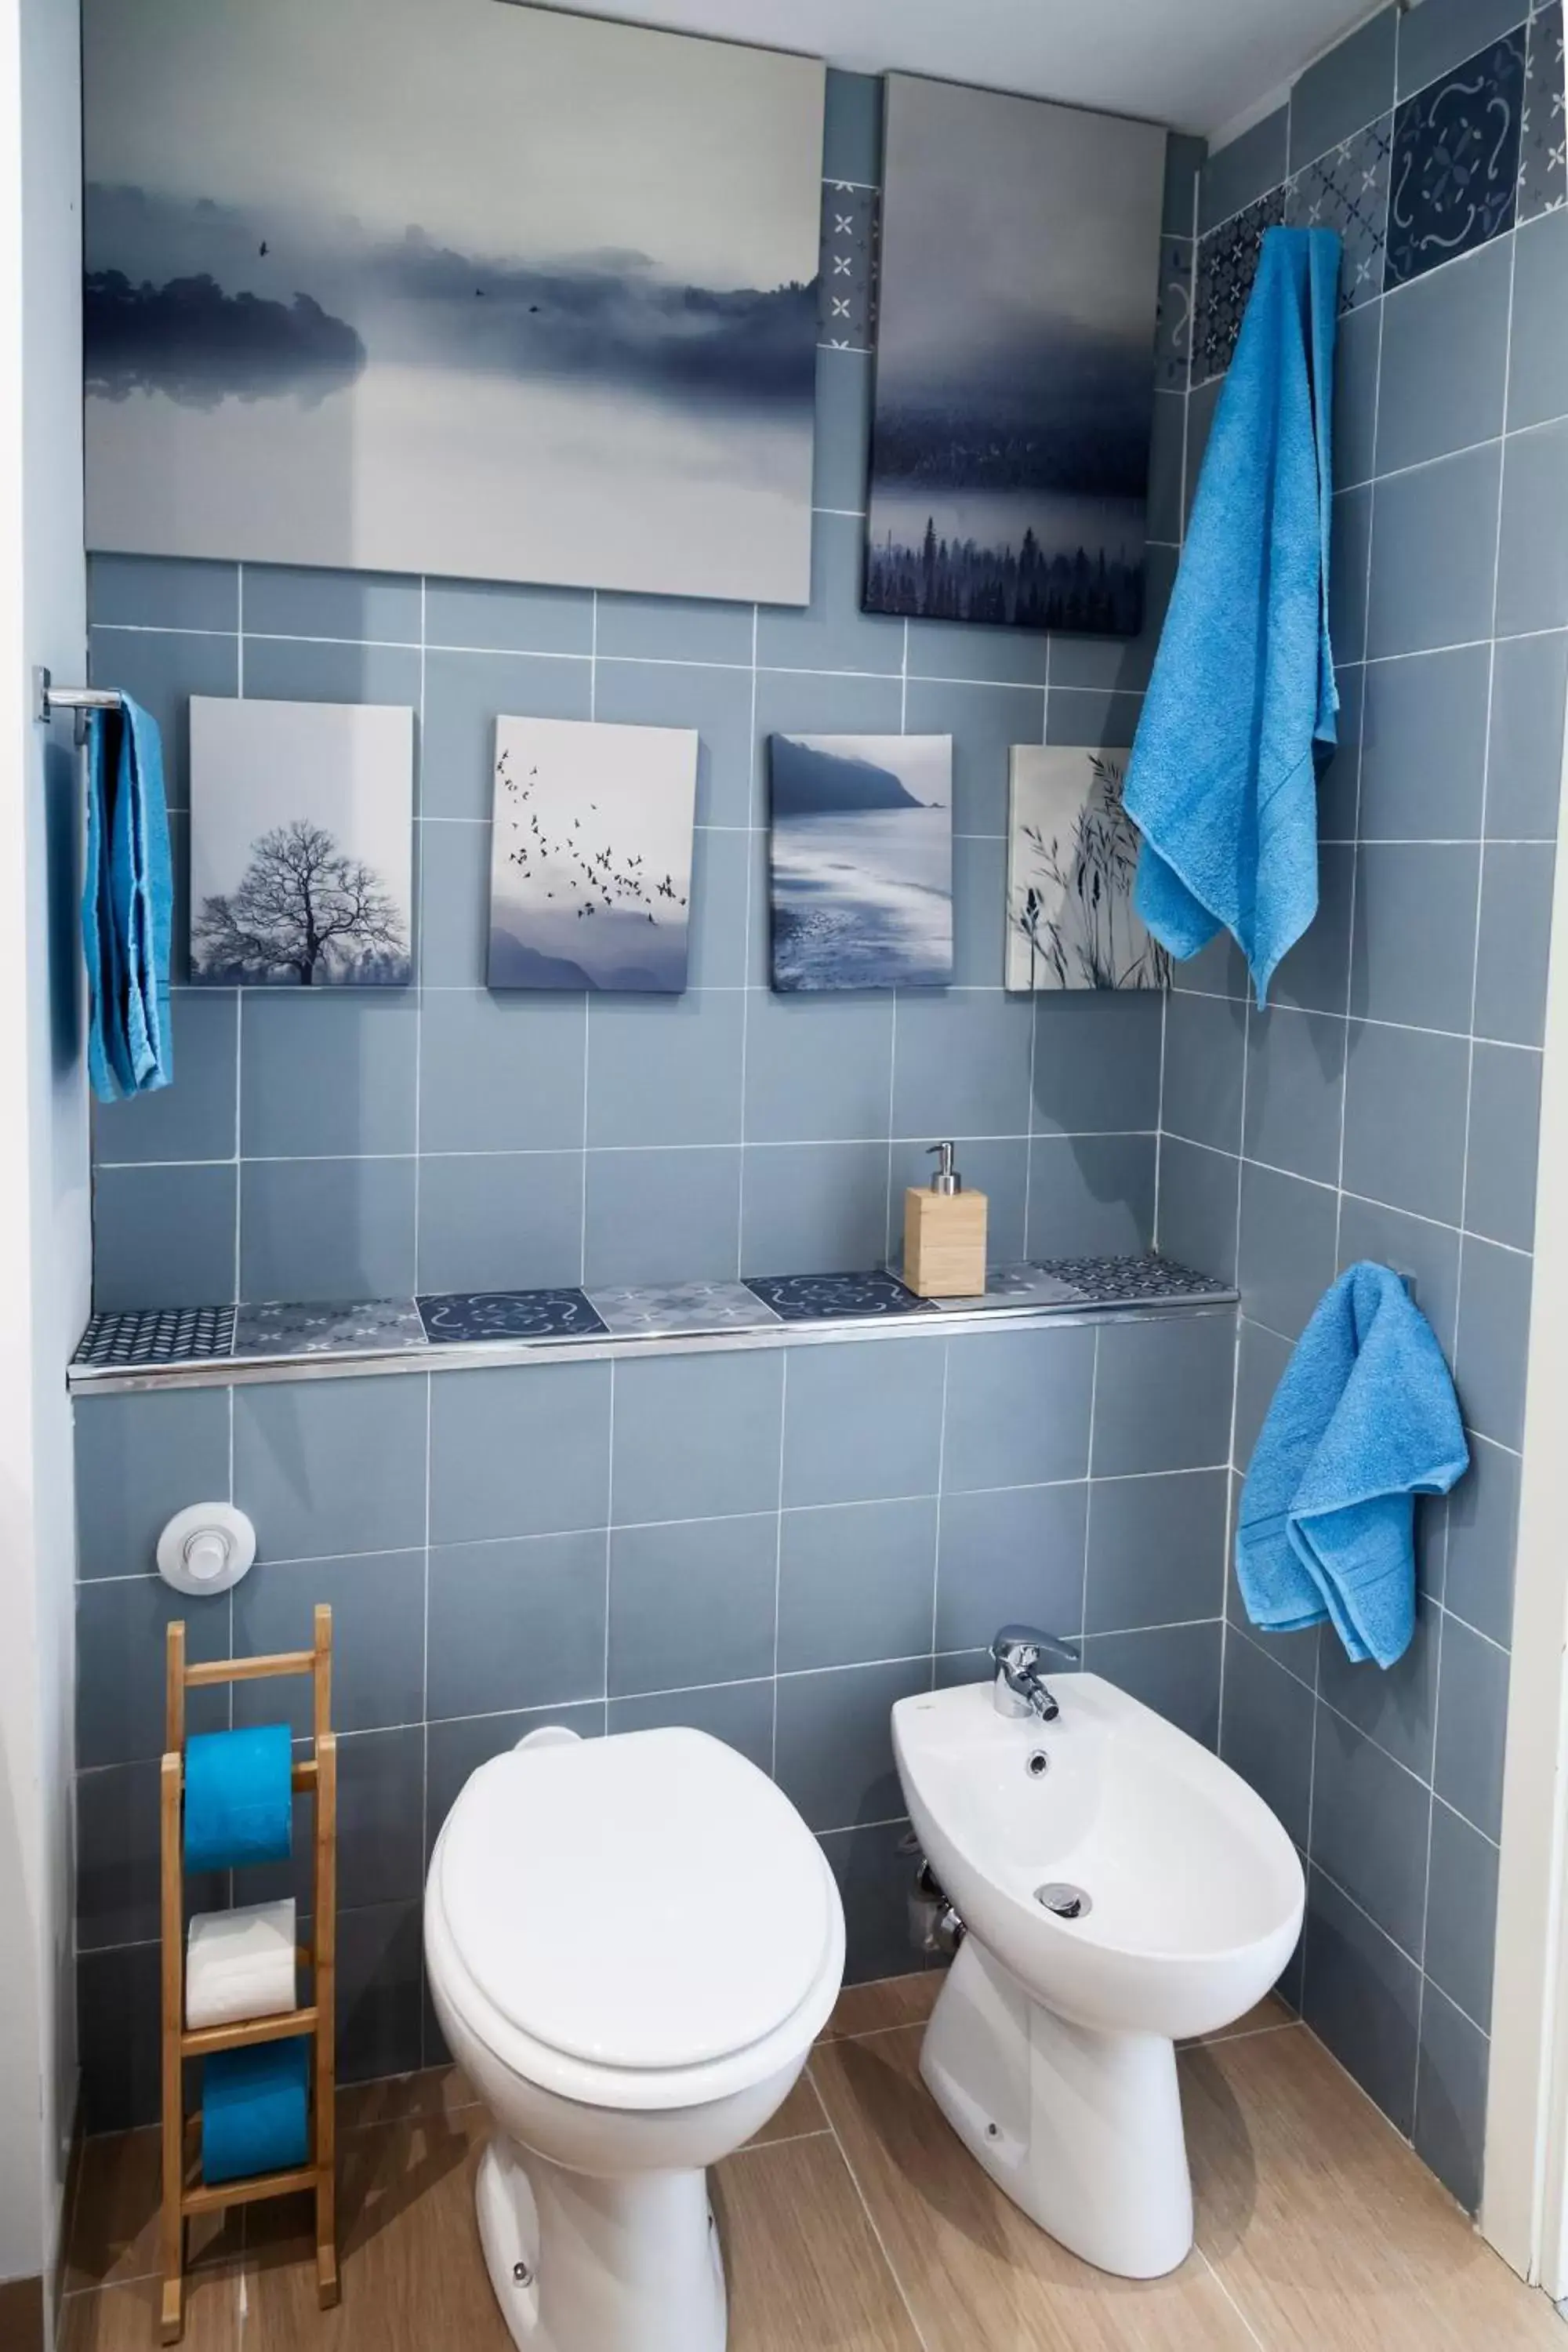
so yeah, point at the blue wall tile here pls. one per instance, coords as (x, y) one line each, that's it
(855, 1583)
(1286, 1249)
(1369, 1830)
(961, 1063)
(1423, 746)
(377, 1601)
(716, 702)
(163, 1236)
(697, 1436)
(1362, 1996)
(1406, 1096)
(693, 1602)
(157, 591)
(500, 1073)
(1483, 1523)
(873, 1876)
(1163, 1394)
(1265, 1733)
(1091, 1195)
(863, 1430)
(817, 1065)
(739, 1714)
(1176, 1669)
(1515, 940)
(512, 1218)
(1397, 1705)
(852, 128)
(333, 1467)
(286, 600)
(843, 430)
(1442, 34)
(1344, 90)
(1197, 1207)
(328, 1072)
(194, 1119)
(1017, 1411)
(1532, 554)
(139, 1459)
(1461, 1914)
(662, 1216)
(1012, 1555)
(664, 1069)
(835, 1741)
(1530, 691)
(464, 693)
(1156, 1550)
(831, 633)
(1433, 552)
(1444, 359)
(985, 721)
(1472, 1724)
(1205, 1042)
(518, 1623)
(1500, 1160)
(674, 628)
(119, 1672)
(1494, 1333)
(315, 669)
(1414, 920)
(1295, 1086)
(1246, 168)
(326, 1228)
(161, 671)
(493, 615)
(814, 1208)
(1096, 1061)
(1537, 347)
(519, 1451)
(1451, 2098)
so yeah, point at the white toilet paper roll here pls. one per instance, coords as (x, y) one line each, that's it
(241, 1964)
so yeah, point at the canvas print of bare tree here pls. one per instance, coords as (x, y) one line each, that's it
(301, 844)
(861, 861)
(1072, 851)
(453, 286)
(591, 856)
(1014, 361)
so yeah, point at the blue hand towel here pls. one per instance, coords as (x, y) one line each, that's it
(1223, 779)
(126, 906)
(1365, 1419)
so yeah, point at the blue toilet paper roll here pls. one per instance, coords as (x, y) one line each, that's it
(239, 1801)
(254, 2110)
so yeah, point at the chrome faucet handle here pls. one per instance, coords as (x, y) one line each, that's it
(1018, 1653)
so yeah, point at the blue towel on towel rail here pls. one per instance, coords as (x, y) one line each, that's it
(1364, 1420)
(1223, 779)
(126, 906)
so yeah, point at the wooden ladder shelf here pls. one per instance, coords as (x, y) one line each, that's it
(183, 2192)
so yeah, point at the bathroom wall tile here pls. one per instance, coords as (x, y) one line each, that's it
(1483, 1523)
(453, 876)
(1494, 1334)
(1265, 1733)
(1433, 554)
(1174, 1669)
(1472, 1723)
(739, 1714)
(498, 616)
(333, 1466)
(669, 1215)
(1097, 1061)
(1501, 1163)
(522, 1450)
(464, 694)
(120, 1675)
(1234, 174)
(380, 1797)
(1091, 1195)
(1369, 1830)
(516, 1623)
(1286, 1253)
(161, 670)
(1097, 717)
(1530, 691)
(1444, 34)
(852, 128)
(874, 1875)
(1405, 1119)
(721, 868)
(195, 1119)
(1475, 105)
(1543, 166)
(139, 1459)
(289, 601)
(1451, 2098)
(1018, 1409)
(1261, 1358)
(851, 1438)
(118, 2044)
(1174, 305)
(1424, 745)
(796, 702)
(692, 1603)
(457, 1749)
(717, 702)
(1167, 459)
(1206, 1045)
(814, 1207)
(500, 1073)
(119, 1835)
(1533, 553)
(379, 1992)
(963, 649)
(835, 1741)
(979, 910)
(831, 633)
(1461, 1914)
(1315, 975)
(1015, 1555)
(1162, 1394)
(1515, 941)
(1339, 778)
(1362, 1996)
(328, 1072)
(856, 1583)
(508, 1219)
(697, 1436)
(1414, 920)
(985, 721)
(1444, 359)
(817, 1065)
(1356, 349)
(961, 1063)
(315, 669)
(1156, 1549)
(162, 591)
(843, 425)
(1197, 1207)
(377, 1601)
(1538, 346)
(1344, 89)
(664, 1069)
(674, 628)
(1350, 543)
(1413, 1246)
(162, 1236)
(326, 1228)
(1295, 1083)
(1395, 1705)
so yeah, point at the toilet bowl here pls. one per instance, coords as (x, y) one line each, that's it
(1120, 1890)
(631, 1944)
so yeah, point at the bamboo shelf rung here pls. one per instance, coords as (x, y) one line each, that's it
(248, 1670)
(201, 2041)
(247, 2192)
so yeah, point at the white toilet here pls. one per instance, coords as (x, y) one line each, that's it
(1120, 1890)
(631, 1943)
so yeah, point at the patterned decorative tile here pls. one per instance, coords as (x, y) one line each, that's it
(823, 1298)
(847, 281)
(1015, 1285)
(1347, 190)
(680, 1307)
(1543, 129)
(451, 1316)
(1174, 319)
(1228, 264)
(1456, 161)
(353, 1327)
(170, 1335)
(1132, 1281)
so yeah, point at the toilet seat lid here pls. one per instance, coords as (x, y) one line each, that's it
(647, 1900)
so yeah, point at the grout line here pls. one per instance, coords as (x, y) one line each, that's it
(778, 1559)
(1230, 2298)
(870, 2217)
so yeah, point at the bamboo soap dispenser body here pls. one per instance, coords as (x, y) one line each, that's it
(945, 1234)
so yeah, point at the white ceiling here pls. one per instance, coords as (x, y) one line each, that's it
(1198, 64)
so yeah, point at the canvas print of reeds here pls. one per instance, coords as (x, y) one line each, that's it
(1072, 853)
(1015, 383)
(450, 286)
(861, 861)
(591, 856)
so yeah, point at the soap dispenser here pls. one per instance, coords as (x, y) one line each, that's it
(945, 1234)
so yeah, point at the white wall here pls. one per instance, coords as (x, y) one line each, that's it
(44, 1201)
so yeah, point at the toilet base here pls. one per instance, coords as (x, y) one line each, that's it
(1082, 2129)
(581, 2263)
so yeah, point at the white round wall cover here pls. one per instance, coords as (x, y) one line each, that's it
(205, 1548)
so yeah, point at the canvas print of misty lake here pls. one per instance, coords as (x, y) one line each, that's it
(301, 844)
(591, 856)
(862, 861)
(1072, 853)
(1014, 361)
(450, 286)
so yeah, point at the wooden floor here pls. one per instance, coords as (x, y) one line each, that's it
(857, 2223)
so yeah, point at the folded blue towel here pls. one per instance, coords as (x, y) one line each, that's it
(1223, 779)
(126, 906)
(1365, 1419)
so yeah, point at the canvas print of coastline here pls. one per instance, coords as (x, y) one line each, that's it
(454, 286)
(862, 861)
(1014, 361)
(301, 844)
(1072, 853)
(591, 856)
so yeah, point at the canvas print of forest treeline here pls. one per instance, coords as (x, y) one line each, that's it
(1072, 855)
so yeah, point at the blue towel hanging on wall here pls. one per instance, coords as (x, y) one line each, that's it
(1222, 783)
(126, 905)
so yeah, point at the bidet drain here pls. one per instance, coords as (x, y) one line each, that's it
(1067, 1902)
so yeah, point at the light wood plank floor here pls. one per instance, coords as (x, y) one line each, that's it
(857, 2223)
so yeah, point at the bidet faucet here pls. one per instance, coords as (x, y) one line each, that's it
(1018, 1653)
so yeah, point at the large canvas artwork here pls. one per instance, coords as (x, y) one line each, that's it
(1072, 853)
(591, 856)
(301, 844)
(862, 861)
(1014, 361)
(453, 286)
